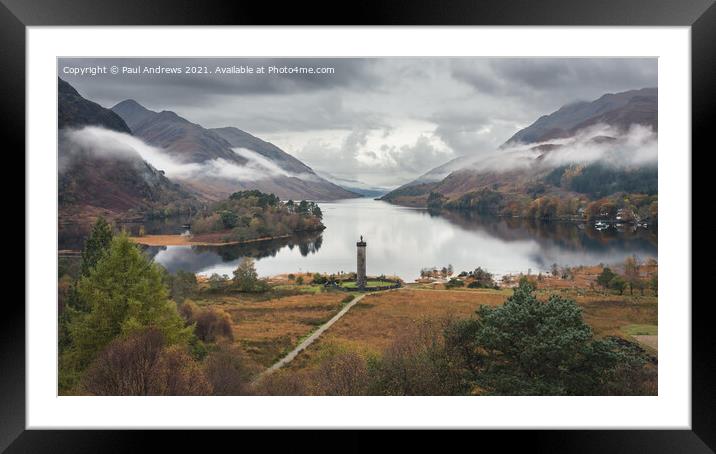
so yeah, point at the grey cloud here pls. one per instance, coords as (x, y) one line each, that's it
(375, 118)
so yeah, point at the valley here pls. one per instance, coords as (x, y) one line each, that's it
(519, 259)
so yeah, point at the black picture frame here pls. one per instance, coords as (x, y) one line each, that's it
(700, 15)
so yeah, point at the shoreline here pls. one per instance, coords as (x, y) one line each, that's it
(186, 240)
(566, 220)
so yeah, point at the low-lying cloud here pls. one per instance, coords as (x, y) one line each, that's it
(604, 144)
(105, 142)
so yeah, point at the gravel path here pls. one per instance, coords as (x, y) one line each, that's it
(309, 340)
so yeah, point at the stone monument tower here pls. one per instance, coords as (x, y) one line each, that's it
(360, 271)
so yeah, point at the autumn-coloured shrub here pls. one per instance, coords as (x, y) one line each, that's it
(180, 375)
(228, 372)
(140, 365)
(344, 374)
(210, 323)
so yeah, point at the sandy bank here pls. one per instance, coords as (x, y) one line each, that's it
(188, 240)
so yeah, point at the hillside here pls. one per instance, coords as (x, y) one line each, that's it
(95, 179)
(557, 166)
(230, 159)
(620, 110)
(74, 111)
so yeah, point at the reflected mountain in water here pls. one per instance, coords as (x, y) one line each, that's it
(199, 259)
(564, 234)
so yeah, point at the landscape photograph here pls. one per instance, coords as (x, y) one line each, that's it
(388, 226)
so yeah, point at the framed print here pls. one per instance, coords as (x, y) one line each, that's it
(413, 218)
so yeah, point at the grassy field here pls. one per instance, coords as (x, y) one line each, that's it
(265, 330)
(266, 327)
(369, 284)
(378, 319)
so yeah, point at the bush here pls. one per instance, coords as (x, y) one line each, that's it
(210, 323)
(283, 383)
(319, 279)
(417, 363)
(482, 279)
(344, 374)
(141, 365)
(227, 372)
(454, 282)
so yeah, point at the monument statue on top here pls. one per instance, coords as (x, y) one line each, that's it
(360, 272)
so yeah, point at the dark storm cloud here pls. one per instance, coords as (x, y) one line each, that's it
(157, 89)
(569, 79)
(382, 119)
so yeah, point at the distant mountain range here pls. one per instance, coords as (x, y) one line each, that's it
(356, 186)
(525, 160)
(283, 174)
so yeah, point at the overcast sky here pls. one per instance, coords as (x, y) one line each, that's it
(382, 121)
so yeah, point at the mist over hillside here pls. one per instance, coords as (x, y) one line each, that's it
(219, 161)
(617, 132)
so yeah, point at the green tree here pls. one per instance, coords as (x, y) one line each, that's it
(530, 347)
(245, 276)
(618, 283)
(96, 245)
(125, 293)
(654, 283)
(229, 219)
(631, 272)
(605, 277)
(182, 285)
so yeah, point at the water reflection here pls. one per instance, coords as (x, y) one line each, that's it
(224, 259)
(403, 240)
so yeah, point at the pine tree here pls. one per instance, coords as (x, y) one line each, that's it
(125, 293)
(96, 245)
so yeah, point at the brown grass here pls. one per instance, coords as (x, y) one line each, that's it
(607, 314)
(265, 330)
(375, 322)
(378, 319)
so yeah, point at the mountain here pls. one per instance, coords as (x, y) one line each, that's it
(561, 155)
(257, 164)
(74, 111)
(95, 180)
(181, 139)
(356, 186)
(614, 109)
(242, 139)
